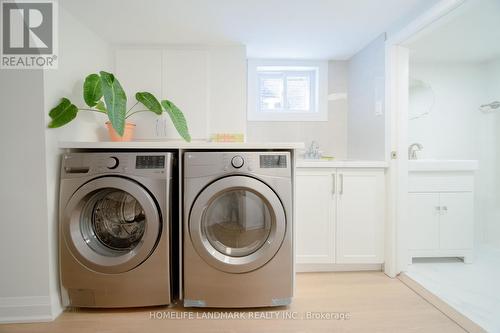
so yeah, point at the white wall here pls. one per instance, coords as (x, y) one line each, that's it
(456, 129)
(491, 70)
(331, 134)
(366, 129)
(24, 249)
(30, 181)
(81, 52)
(208, 83)
(451, 129)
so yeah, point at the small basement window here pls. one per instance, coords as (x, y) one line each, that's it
(287, 90)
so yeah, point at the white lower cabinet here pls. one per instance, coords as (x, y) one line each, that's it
(340, 216)
(360, 217)
(423, 213)
(441, 224)
(456, 223)
(314, 228)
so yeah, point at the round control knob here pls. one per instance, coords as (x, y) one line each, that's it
(112, 163)
(237, 161)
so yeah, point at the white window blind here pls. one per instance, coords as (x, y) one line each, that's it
(299, 91)
(271, 91)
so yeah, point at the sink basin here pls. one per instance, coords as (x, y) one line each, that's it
(443, 165)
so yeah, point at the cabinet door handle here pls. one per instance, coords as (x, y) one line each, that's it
(333, 184)
(341, 184)
(438, 209)
(445, 209)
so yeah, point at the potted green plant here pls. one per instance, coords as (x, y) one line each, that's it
(104, 94)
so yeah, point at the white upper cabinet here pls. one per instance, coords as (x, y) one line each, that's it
(207, 83)
(228, 89)
(315, 229)
(140, 70)
(185, 78)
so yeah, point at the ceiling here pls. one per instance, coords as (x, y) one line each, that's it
(469, 34)
(314, 29)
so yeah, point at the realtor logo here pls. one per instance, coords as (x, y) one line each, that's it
(28, 34)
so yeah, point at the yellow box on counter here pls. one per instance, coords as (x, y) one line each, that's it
(227, 137)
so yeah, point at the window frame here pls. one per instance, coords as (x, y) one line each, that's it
(318, 96)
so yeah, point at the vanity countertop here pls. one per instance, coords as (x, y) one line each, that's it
(310, 163)
(442, 165)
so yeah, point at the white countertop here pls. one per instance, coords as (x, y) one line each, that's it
(304, 163)
(174, 144)
(442, 165)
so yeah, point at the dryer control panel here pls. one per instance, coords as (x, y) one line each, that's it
(268, 163)
(273, 161)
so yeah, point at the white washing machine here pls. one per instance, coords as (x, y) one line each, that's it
(114, 239)
(237, 243)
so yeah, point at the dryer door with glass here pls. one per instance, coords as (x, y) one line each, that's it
(111, 224)
(237, 224)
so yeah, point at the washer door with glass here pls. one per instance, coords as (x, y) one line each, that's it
(237, 224)
(111, 224)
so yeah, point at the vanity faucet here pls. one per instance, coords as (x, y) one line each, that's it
(413, 149)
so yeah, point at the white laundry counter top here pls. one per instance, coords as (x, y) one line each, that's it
(174, 144)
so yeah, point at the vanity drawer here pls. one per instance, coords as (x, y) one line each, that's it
(459, 181)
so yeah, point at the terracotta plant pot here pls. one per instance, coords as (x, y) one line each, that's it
(128, 134)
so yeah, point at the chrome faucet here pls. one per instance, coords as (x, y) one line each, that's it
(413, 149)
(313, 151)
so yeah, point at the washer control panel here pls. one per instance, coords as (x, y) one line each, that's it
(150, 161)
(148, 164)
(237, 161)
(112, 162)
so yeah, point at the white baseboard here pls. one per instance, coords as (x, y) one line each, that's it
(302, 268)
(56, 304)
(26, 309)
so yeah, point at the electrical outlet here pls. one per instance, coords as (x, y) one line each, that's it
(379, 108)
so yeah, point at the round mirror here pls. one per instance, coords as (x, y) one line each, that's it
(421, 99)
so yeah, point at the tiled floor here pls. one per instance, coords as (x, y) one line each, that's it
(324, 302)
(472, 289)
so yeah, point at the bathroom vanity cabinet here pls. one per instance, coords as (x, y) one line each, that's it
(441, 209)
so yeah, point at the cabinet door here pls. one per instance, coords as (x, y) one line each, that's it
(360, 216)
(140, 70)
(314, 225)
(457, 220)
(185, 77)
(180, 75)
(423, 221)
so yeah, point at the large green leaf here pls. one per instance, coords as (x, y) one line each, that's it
(149, 101)
(116, 101)
(63, 113)
(92, 90)
(101, 107)
(177, 118)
